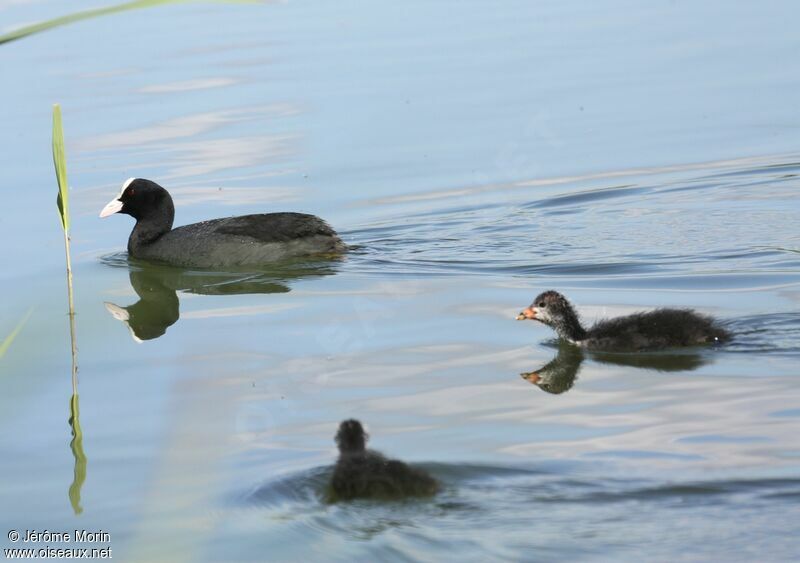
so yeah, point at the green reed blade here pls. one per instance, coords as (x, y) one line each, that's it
(6, 343)
(60, 162)
(87, 14)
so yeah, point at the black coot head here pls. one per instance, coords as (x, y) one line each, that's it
(141, 199)
(351, 437)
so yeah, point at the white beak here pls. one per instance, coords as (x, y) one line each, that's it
(122, 315)
(113, 206)
(117, 312)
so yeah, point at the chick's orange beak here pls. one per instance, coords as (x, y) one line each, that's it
(528, 313)
(531, 377)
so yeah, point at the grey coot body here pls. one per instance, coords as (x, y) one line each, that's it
(247, 240)
(653, 330)
(367, 474)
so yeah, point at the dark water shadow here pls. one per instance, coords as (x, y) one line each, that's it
(559, 374)
(158, 307)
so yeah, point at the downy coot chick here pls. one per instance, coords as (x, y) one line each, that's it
(367, 474)
(247, 240)
(653, 330)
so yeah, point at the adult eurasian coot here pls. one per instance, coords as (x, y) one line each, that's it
(247, 240)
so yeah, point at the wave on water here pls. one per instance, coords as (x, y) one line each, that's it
(716, 223)
(774, 332)
(536, 484)
(476, 497)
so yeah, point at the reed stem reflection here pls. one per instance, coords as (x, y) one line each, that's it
(76, 445)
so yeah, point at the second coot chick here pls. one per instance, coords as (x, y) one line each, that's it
(367, 474)
(652, 330)
(247, 240)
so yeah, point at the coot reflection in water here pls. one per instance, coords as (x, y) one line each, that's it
(158, 307)
(559, 374)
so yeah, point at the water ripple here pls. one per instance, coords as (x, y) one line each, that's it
(684, 231)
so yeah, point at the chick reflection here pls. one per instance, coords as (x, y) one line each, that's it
(560, 374)
(366, 474)
(158, 307)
